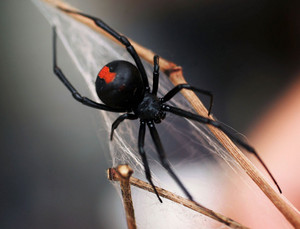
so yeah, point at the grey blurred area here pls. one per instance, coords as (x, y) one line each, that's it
(53, 151)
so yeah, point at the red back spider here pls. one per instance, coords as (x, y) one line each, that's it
(123, 87)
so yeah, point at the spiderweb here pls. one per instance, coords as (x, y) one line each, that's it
(205, 168)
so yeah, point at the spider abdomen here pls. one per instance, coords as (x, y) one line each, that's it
(120, 85)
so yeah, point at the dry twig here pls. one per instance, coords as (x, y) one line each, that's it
(115, 175)
(123, 174)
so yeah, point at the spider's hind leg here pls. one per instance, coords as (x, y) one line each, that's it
(119, 120)
(122, 39)
(84, 100)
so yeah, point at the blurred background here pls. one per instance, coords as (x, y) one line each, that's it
(52, 162)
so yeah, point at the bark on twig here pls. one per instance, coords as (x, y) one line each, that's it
(123, 174)
(114, 174)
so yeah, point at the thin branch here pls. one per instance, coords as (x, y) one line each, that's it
(175, 75)
(114, 174)
(123, 174)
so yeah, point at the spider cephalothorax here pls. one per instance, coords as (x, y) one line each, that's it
(150, 109)
(123, 87)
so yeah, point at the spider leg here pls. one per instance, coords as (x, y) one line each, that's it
(179, 87)
(155, 74)
(84, 100)
(163, 159)
(120, 38)
(216, 124)
(141, 141)
(119, 120)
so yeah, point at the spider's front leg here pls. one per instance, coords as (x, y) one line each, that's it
(155, 75)
(218, 125)
(142, 152)
(179, 87)
(162, 156)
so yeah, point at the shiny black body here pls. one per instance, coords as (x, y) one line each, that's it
(150, 109)
(123, 87)
(127, 88)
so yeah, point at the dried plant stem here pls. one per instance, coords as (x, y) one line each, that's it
(175, 74)
(286, 208)
(123, 174)
(114, 174)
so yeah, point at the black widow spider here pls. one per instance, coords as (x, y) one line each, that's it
(123, 87)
